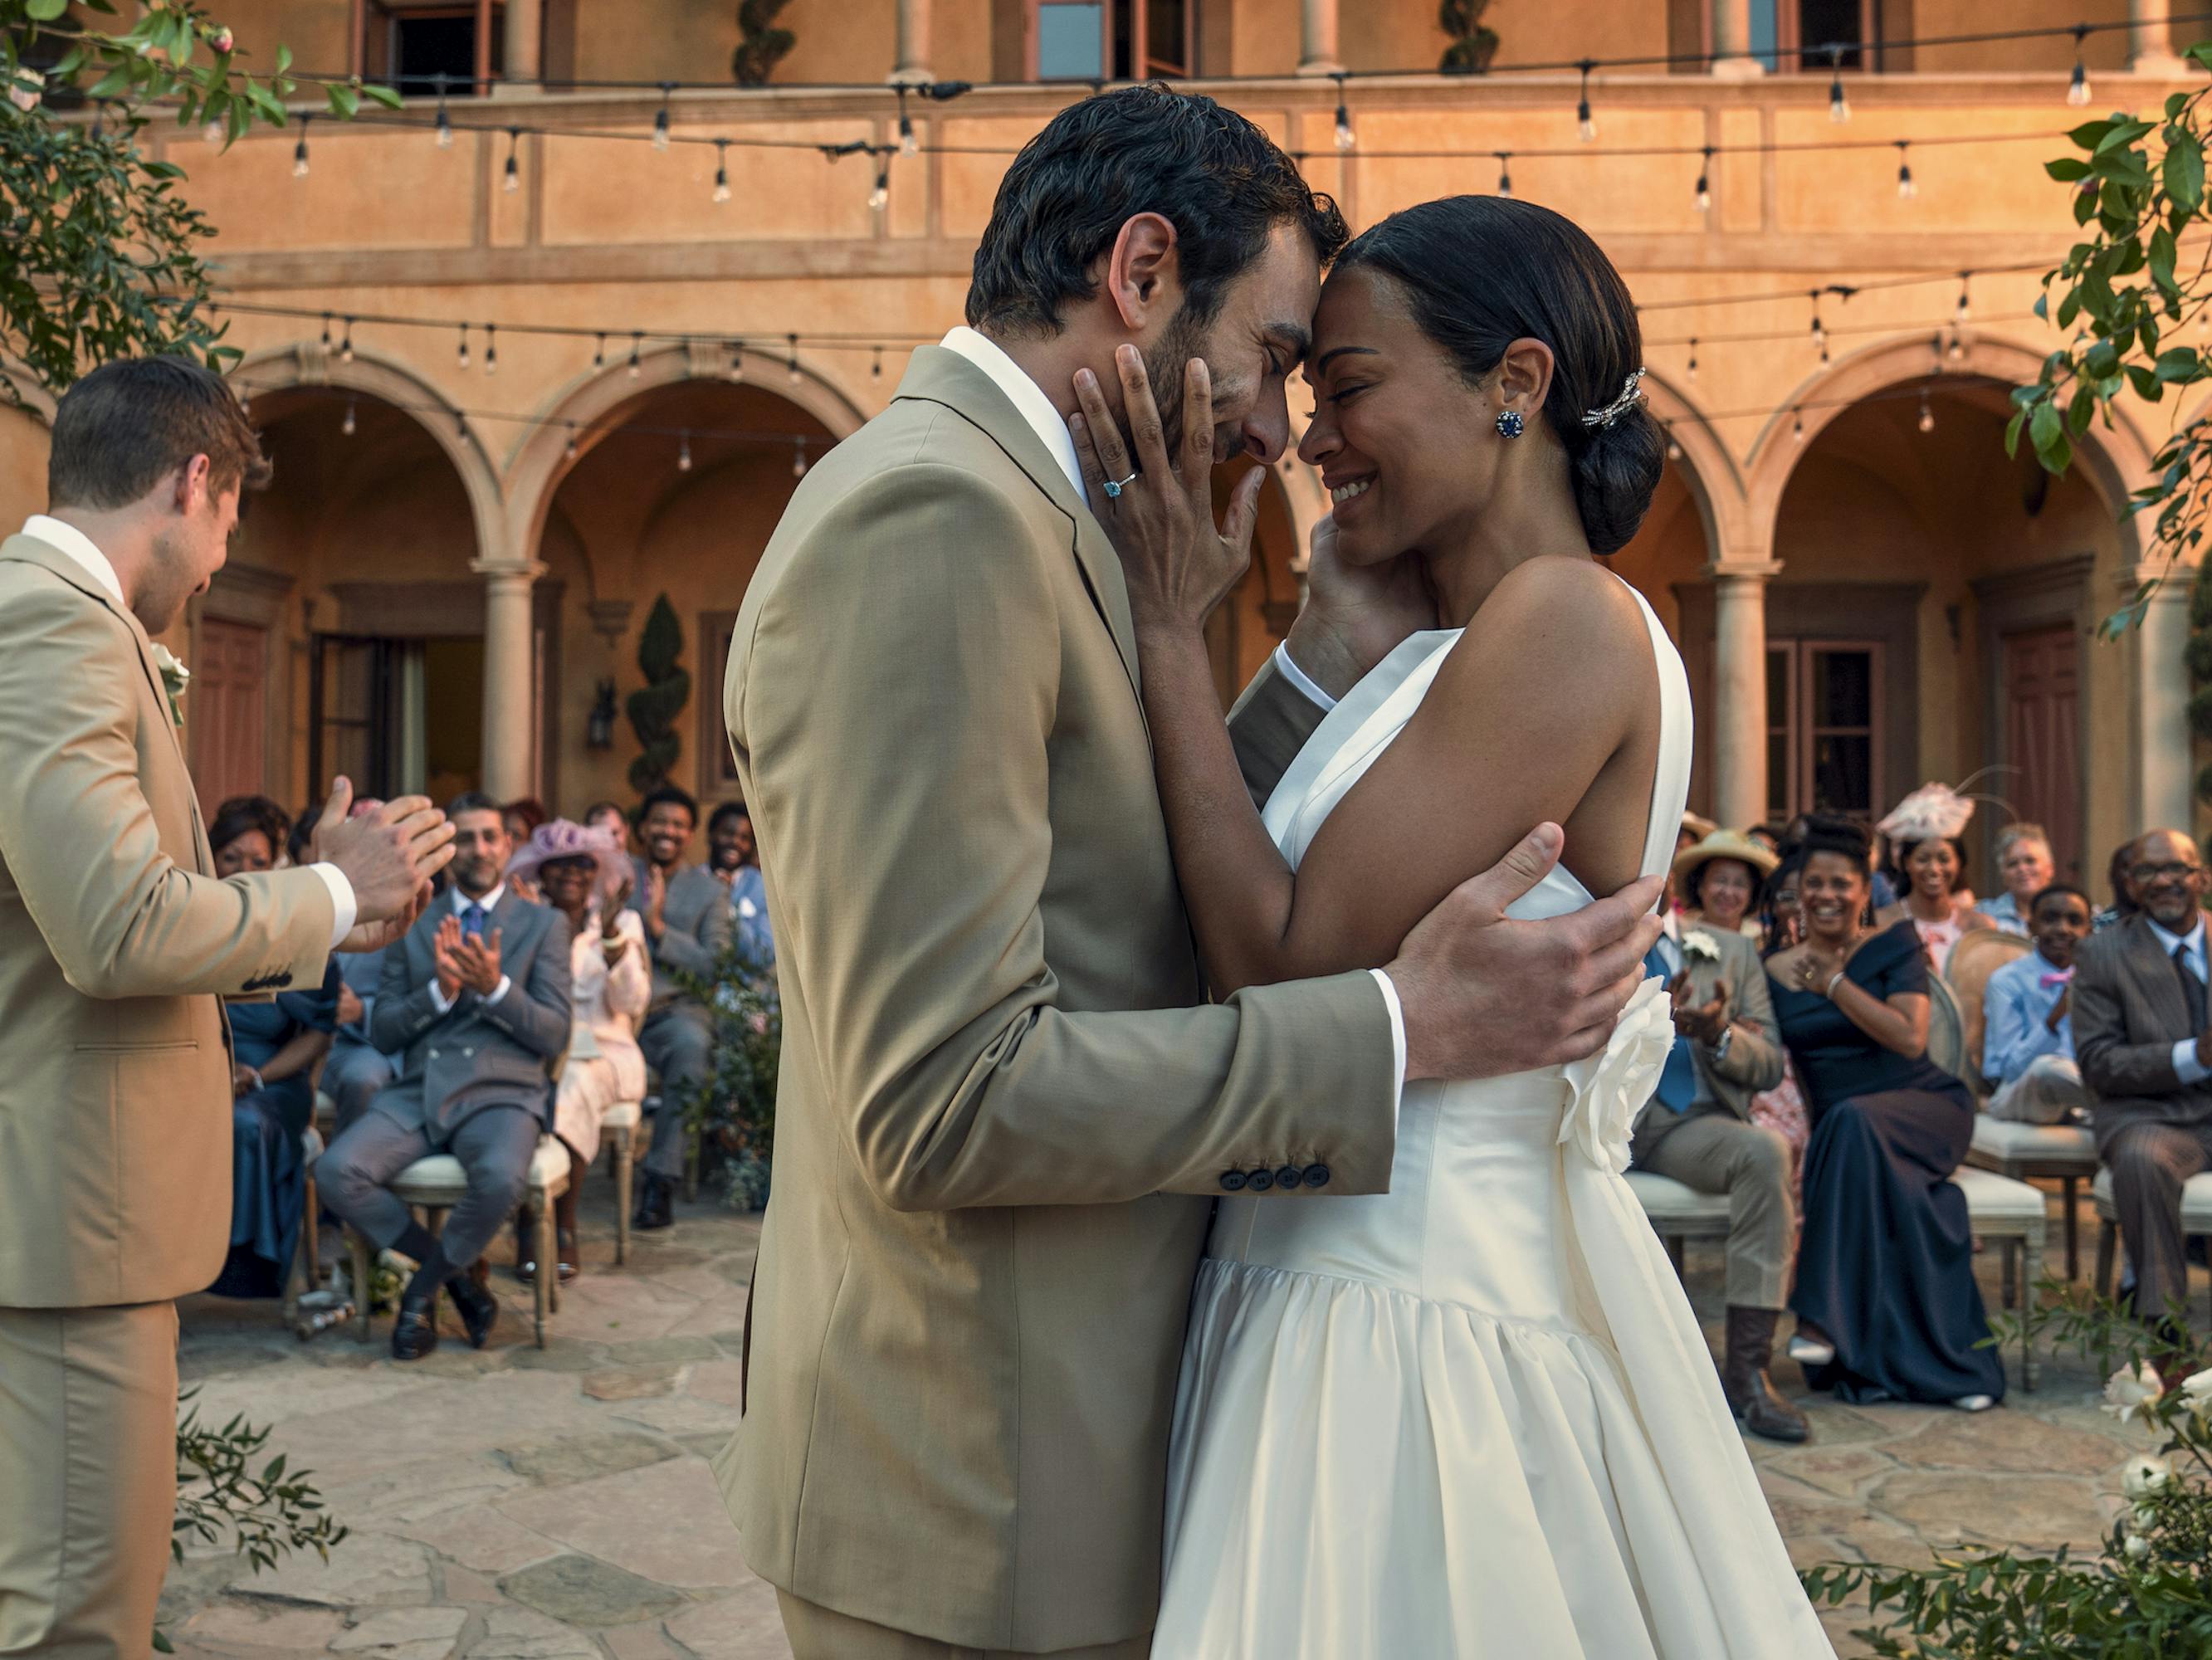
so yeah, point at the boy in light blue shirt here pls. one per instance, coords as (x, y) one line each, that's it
(2027, 1045)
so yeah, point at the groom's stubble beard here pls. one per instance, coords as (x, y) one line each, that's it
(1165, 365)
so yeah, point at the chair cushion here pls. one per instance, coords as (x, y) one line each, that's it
(1999, 1138)
(439, 1179)
(1998, 1204)
(1665, 1200)
(623, 1115)
(2196, 1199)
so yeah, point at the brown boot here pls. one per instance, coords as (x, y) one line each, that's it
(1757, 1405)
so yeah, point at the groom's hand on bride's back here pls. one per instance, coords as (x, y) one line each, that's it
(1485, 996)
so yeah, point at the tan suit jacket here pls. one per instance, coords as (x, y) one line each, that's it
(1003, 1106)
(2129, 1011)
(116, 944)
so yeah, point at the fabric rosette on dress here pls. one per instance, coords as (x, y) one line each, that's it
(1610, 1087)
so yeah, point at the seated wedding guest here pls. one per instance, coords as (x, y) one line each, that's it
(260, 831)
(1925, 834)
(584, 874)
(1887, 1307)
(475, 1002)
(2027, 1041)
(1719, 880)
(273, 1048)
(1696, 1129)
(1782, 1108)
(686, 912)
(608, 816)
(732, 855)
(522, 818)
(2025, 866)
(1695, 828)
(1768, 836)
(355, 1069)
(2140, 1032)
(2123, 905)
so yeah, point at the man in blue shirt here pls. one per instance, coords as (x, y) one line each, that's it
(2027, 1046)
(732, 855)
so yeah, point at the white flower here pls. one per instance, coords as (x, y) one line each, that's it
(2137, 1547)
(2143, 1517)
(1610, 1086)
(2197, 1390)
(2130, 1393)
(2144, 1474)
(175, 677)
(1698, 943)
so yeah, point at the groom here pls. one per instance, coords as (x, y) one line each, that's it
(1004, 1104)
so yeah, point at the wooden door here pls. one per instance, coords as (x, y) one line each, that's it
(227, 711)
(2042, 717)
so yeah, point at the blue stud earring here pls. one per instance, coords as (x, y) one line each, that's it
(1510, 423)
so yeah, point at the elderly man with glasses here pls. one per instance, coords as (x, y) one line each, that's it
(2140, 1033)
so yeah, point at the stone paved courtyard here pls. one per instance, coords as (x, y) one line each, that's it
(520, 1504)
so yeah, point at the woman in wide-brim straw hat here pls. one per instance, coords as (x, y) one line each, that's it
(583, 873)
(1720, 880)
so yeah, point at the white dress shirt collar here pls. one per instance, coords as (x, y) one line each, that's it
(1024, 393)
(462, 902)
(2193, 939)
(69, 539)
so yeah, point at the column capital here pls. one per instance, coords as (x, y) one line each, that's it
(1743, 570)
(2174, 578)
(498, 572)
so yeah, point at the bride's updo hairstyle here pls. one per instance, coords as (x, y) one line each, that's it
(1479, 272)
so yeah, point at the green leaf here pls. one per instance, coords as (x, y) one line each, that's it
(2103, 360)
(2118, 134)
(2085, 205)
(2184, 170)
(344, 100)
(2127, 166)
(387, 96)
(2067, 170)
(2181, 363)
(2090, 134)
(2162, 256)
(284, 58)
(2147, 385)
(2079, 409)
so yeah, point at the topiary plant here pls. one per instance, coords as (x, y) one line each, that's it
(763, 45)
(654, 707)
(1473, 44)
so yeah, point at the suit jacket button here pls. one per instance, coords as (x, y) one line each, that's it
(1288, 1178)
(1317, 1176)
(1232, 1180)
(433, 1055)
(1259, 1181)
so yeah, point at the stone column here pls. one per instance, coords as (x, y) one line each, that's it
(2150, 39)
(510, 629)
(2164, 787)
(1317, 38)
(1732, 58)
(524, 45)
(1737, 717)
(913, 68)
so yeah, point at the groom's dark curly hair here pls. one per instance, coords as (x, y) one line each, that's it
(1219, 180)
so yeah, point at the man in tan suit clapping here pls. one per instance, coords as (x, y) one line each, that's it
(117, 945)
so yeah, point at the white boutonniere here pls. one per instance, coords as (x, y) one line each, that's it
(1698, 943)
(175, 677)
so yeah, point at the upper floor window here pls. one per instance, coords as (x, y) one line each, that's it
(419, 46)
(1788, 35)
(1111, 39)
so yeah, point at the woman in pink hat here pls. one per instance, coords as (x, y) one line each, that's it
(584, 874)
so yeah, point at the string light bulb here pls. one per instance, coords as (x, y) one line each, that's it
(660, 117)
(1505, 175)
(345, 346)
(876, 371)
(599, 353)
(880, 196)
(445, 131)
(1674, 444)
(347, 425)
(326, 332)
(1963, 278)
(722, 170)
(513, 182)
(1585, 128)
(636, 340)
(1346, 138)
(1906, 190)
(1958, 347)
(568, 449)
(1705, 182)
(684, 453)
(491, 349)
(791, 362)
(211, 133)
(1840, 107)
(1692, 371)
(1797, 426)
(799, 458)
(2077, 89)
(461, 351)
(736, 348)
(1927, 412)
(906, 144)
(299, 150)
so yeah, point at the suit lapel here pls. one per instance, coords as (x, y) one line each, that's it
(2155, 973)
(946, 378)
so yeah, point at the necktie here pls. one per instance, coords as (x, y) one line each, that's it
(1678, 1079)
(2193, 989)
(472, 921)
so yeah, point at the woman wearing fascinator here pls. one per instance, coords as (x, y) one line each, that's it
(1926, 836)
(1472, 1416)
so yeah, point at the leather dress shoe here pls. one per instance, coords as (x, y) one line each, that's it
(1759, 1407)
(656, 1205)
(415, 1333)
(479, 1308)
(525, 1267)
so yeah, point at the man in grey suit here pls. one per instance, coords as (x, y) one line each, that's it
(1697, 1128)
(475, 1002)
(2140, 1036)
(686, 912)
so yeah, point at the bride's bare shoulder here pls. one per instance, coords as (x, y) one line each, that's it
(1556, 612)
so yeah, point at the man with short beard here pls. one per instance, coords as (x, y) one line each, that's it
(2144, 1042)
(116, 940)
(686, 912)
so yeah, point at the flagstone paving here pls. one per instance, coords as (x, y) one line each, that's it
(522, 1504)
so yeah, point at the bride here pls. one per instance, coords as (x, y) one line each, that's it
(1473, 1416)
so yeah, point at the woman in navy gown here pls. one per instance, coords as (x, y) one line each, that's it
(275, 1046)
(1886, 1303)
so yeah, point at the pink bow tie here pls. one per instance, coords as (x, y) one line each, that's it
(2056, 978)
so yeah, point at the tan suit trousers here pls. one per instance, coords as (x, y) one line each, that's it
(820, 1633)
(1710, 1149)
(89, 1472)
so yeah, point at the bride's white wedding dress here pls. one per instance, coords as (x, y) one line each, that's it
(1474, 1416)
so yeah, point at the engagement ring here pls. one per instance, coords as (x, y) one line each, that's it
(1116, 486)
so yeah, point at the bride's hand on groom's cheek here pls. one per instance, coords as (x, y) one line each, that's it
(1158, 509)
